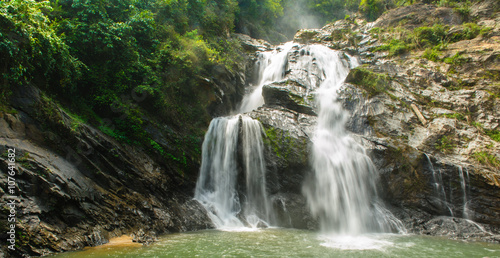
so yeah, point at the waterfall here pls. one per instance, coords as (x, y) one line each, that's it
(271, 66)
(464, 182)
(217, 187)
(342, 193)
(257, 205)
(439, 188)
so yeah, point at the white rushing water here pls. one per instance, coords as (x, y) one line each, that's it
(257, 204)
(342, 193)
(271, 67)
(217, 185)
(464, 182)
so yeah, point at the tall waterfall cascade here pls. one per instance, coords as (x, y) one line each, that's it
(217, 185)
(342, 191)
(444, 197)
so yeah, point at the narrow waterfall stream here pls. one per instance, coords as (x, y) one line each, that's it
(216, 186)
(464, 183)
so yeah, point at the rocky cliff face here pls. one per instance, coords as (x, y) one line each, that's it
(431, 127)
(77, 186)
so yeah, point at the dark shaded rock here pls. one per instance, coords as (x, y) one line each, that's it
(287, 146)
(288, 94)
(452, 227)
(25, 98)
(227, 90)
(292, 211)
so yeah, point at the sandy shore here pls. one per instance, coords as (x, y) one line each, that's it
(124, 240)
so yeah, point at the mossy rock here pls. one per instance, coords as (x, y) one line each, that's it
(373, 83)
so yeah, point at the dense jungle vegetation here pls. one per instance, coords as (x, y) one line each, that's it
(131, 60)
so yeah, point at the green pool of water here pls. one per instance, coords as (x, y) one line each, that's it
(293, 243)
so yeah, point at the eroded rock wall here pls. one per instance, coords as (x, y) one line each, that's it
(77, 186)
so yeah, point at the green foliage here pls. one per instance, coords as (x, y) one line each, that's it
(430, 36)
(493, 134)
(283, 145)
(457, 116)
(455, 60)
(95, 56)
(99, 55)
(157, 147)
(487, 159)
(333, 9)
(469, 31)
(432, 54)
(30, 48)
(433, 39)
(259, 18)
(394, 47)
(372, 9)
(404, 2)
(445, 144)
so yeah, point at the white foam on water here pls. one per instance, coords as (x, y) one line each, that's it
(360, 242)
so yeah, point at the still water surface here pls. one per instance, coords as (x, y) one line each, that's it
(291, 243)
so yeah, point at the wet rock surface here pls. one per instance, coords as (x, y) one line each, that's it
(424, 126)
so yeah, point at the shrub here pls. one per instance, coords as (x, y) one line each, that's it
(31, 50)
(487, 159)
(431, 54)
(394, 47)
(445, 144)
(455, 60)
(430, 36)
(493, 134)
(372, 9)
